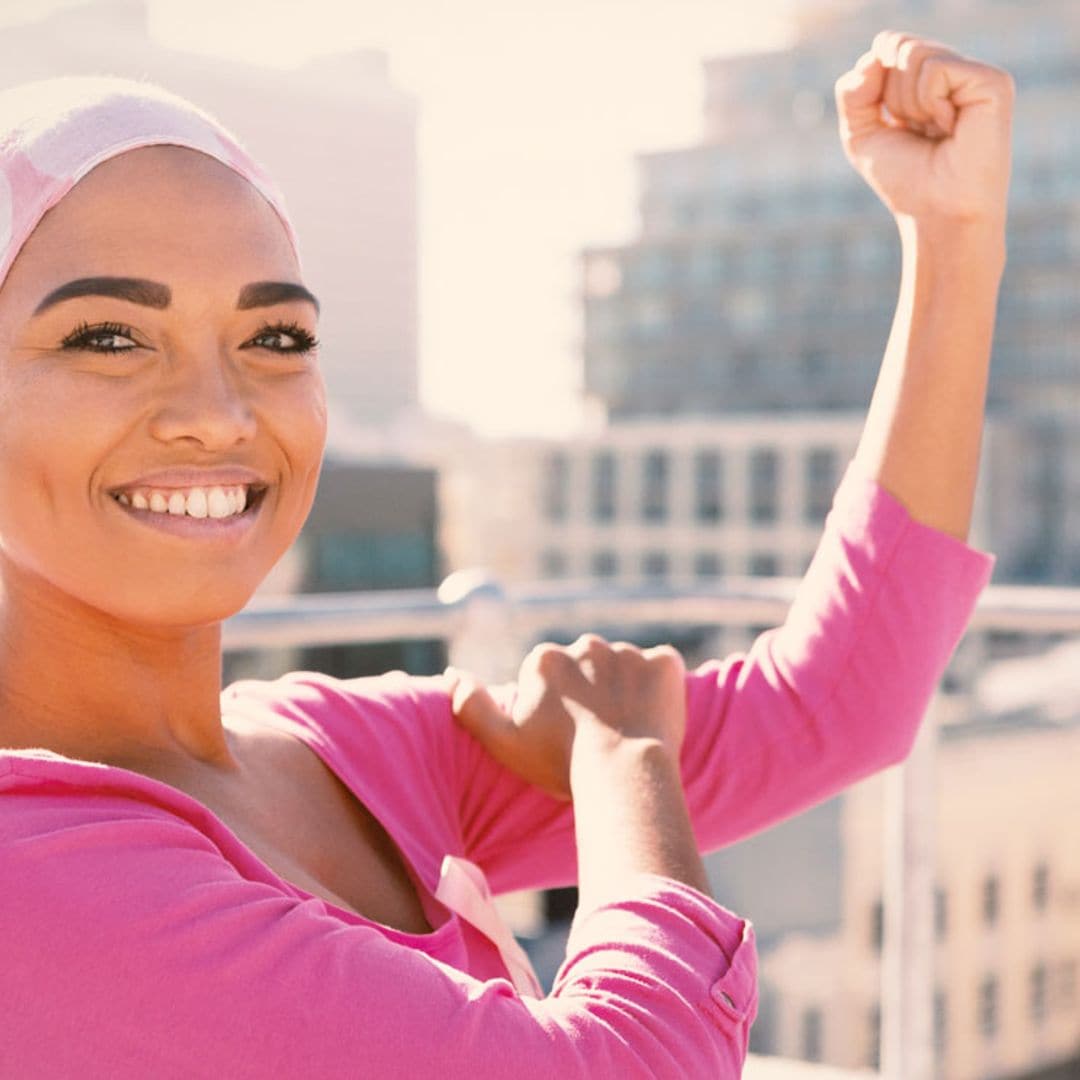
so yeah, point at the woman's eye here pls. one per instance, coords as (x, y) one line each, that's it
(284, 339)
(104, 338)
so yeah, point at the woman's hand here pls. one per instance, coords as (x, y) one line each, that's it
(928, 129)
(591, 692)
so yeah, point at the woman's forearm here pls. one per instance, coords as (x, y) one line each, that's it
(923, 431)
(630, 818)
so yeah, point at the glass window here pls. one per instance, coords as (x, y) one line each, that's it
(877, 926)
(764, 564)
(603, 486)
(991, 900)
(654, 486)
(709, 485)
(873, 1057)
(344, 561)
(764, 485)
(708, 564)
(1040, 887)
(654, 565)
(941, 1023)
(553, 564)
(605, 564)
(820, 483)
(941, 913)
(556, 486)
(811, 1035)
(1037, 993)
(988, 1006)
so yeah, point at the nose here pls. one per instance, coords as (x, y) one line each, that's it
(204, 402)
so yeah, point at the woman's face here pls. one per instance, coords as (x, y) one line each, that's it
(197, 362)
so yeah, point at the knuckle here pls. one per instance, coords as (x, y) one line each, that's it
(547, 657)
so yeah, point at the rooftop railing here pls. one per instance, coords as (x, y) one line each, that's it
(487, 629)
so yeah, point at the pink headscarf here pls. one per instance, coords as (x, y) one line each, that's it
(53, 132)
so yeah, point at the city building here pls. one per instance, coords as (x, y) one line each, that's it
(339, 137)
(1006, 999)
(765, 272)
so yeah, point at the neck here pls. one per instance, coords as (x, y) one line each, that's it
(79, 682)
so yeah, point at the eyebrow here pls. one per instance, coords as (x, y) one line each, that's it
(155, 295)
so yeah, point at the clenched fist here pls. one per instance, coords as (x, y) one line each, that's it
(928, 129)
(592, 690)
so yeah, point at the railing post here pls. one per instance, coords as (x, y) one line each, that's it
(486, 644)
(907, 992)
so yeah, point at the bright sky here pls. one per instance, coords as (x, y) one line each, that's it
(531, 113)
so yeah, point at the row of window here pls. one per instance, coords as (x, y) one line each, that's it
(989, 904)
(1050, 989)
(656, 565)
(711, 470)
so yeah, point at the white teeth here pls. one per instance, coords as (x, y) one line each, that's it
(196, 503)
(215, 502)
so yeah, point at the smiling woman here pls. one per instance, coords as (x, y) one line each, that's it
(295, 878)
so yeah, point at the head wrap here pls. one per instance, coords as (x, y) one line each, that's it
(53, 132)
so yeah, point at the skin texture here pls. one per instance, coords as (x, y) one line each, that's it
(929, 130)
(110, 643)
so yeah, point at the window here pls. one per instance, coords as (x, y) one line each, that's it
(764, 486)
(811, 1035)
(552, 564)
(873, 1057)
(764, 564)
(654, 565)
(877, 926)
(556, 487)
(941, 913)
(654, 486)
(1037, 984)
(707, 564)
(941, 1023)
(1040, 887)
(988, 1006)
(709, 486)
(603, 486)
(991, 900)
(820, 484)
(1066, 984)
(605, 564)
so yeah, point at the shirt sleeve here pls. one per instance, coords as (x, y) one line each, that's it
(141, 951)
(835, 693)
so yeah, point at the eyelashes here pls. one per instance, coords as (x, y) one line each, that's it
(87, 338)
(290, 338)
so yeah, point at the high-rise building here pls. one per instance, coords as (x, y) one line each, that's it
(339, 137)
(765, 272)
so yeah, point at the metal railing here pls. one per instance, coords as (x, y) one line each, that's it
(487, 628)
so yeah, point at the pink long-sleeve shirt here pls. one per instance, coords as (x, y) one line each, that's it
(140, 938)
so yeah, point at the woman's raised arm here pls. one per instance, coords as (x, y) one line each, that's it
(839, 690)
(938, 156)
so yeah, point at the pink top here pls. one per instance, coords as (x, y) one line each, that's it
(141, 938)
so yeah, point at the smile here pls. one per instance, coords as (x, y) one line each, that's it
(196, 502)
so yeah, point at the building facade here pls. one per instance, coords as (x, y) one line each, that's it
(1006, 999)
(765, 272)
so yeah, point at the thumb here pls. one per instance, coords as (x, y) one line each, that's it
(478, 712)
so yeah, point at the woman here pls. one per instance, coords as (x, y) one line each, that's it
(292, 878)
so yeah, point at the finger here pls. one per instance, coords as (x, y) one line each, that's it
(910, 57)
(587, 645)
(934, 92)
(479, 714)
(858, 98)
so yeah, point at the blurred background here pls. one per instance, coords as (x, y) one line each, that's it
(603, 309)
